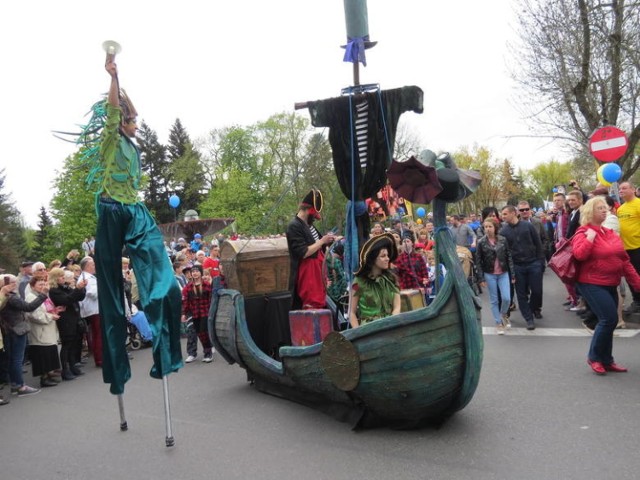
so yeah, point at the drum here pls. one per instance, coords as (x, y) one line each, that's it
(412, 299)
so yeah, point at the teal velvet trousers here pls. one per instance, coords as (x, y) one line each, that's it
(131, 226)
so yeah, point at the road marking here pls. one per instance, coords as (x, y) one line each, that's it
(557, 332)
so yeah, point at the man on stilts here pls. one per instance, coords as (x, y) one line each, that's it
(125, 222)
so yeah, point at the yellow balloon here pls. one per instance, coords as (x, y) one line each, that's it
(419, 221)
(600, 178)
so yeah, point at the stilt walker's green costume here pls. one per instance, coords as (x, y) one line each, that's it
(125, 222)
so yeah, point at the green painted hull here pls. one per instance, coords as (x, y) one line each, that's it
(413, 368)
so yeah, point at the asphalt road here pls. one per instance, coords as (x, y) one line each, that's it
(538, 413)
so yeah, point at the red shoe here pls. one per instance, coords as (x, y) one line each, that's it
(597, 367)
(614, 367)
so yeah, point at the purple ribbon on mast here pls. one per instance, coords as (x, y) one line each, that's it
(354, 50)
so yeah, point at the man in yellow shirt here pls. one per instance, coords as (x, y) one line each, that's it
(629, 216)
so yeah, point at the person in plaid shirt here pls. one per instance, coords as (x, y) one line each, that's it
(410, 266)
(196, 300)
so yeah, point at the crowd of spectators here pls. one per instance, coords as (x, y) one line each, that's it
(510, 248)
(50, 318)
(49, 315)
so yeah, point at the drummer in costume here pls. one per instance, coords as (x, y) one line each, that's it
(125, 222)
(375, 290)
(306, 253)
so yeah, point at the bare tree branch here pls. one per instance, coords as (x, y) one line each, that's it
(578, 65)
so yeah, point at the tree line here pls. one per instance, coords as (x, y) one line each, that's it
(256, 174)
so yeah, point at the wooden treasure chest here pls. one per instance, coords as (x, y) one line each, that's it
(256, 266)
(411, 299)
(309, 326)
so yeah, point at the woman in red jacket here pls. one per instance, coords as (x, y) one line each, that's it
(602, 263)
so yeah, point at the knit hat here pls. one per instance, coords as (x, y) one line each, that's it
(409, 235)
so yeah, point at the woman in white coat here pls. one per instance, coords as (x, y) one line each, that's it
(43, 336)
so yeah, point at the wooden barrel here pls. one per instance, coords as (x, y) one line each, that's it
(257, 266)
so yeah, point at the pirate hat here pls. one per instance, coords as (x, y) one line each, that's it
(313, 201)
(372, 247)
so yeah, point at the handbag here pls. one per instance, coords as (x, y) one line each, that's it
(22, 327)
(563, 263)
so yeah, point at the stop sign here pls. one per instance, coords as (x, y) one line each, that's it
(608, 144)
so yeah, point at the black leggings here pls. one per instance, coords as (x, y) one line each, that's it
(68, 352)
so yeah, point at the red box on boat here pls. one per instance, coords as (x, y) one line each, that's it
(309, 326)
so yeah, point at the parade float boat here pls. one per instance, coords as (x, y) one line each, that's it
(403, 371)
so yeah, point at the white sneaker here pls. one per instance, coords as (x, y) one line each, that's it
(189, 359)
(208, 358)
(506, 322)
(500, 329)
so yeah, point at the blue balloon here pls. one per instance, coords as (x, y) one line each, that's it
(611, 172)
(555, 190)
(420, 211)
(174, 201)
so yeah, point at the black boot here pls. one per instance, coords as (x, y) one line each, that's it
(76, 371)
(45, 381)
(67, 375)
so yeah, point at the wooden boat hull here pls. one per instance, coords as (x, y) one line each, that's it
(411, 366)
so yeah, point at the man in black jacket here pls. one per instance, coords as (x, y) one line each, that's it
(526, 250)
(575, 200)
(526, 215)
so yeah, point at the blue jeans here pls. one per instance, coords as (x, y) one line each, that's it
(16, 345)
(603, 302)
(494, 283)
(529, 288)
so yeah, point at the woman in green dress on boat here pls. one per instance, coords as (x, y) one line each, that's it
(375, 289)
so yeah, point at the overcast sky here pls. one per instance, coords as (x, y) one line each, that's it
(218, 63)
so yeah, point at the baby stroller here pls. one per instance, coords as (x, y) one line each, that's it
(466, 260)
(138, 331)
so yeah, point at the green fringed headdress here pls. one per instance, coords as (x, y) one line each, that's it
(90, 136)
